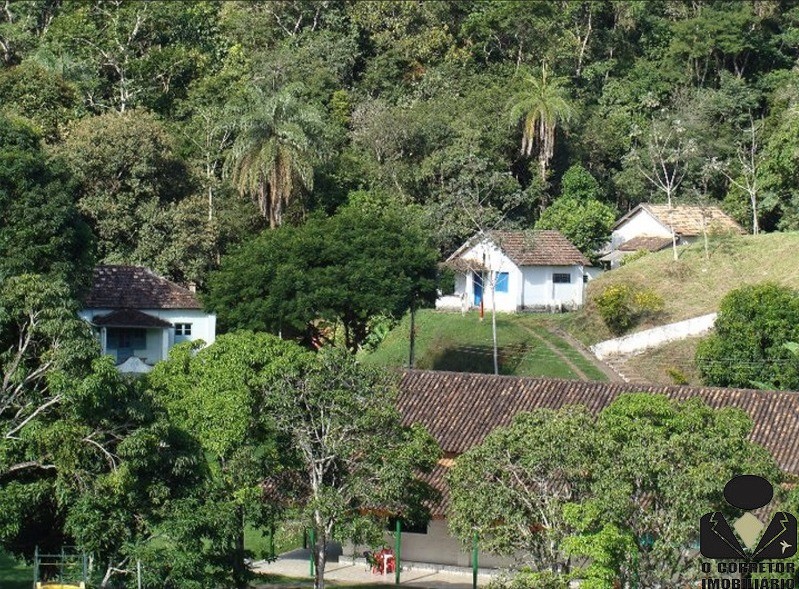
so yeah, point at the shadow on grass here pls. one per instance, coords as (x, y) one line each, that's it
(14, 575)
(477, 358)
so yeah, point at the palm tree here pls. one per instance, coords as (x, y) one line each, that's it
(541, 107)
(273, 152)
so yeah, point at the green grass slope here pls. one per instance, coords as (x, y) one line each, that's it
(451, 341)
(695, 284)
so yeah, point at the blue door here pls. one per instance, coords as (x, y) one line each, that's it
(477, 282)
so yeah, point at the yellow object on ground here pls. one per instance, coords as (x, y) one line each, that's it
(60, 586)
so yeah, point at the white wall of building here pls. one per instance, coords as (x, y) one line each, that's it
(203, 327)
(528, 287)
(437, 547)
(641, 223)
(593, 272)
(540, 289)
(495, 261)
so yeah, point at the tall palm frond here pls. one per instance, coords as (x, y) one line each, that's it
(541, 107)
(273, 151)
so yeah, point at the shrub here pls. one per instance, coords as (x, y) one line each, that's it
(751, 343)
(623, 306)
(677, 376)
(633, 257)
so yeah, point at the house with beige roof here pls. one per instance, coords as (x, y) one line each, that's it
(651, 227)
(138, 316)
(535, 270)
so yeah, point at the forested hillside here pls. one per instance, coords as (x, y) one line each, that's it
(307, 164)
(179, 129)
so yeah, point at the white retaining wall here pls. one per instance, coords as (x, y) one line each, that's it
(635, 343)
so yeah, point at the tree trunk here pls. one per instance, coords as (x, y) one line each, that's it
(320, 560)
(671, 226)
(674, 243)
(239, 568)
(755, 224)
(412, 353)
(274, 205)
(494, 321)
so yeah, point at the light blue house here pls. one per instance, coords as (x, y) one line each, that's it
(138, 316)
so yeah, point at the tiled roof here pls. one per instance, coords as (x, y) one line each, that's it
(133, 287)
(437, 478)
(461, 409)
(645, 242)
(687, 219)
(534, 248)
(129, 318)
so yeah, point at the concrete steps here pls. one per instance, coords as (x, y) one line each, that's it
(619, 365)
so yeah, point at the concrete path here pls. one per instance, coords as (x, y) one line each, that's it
(295, 564)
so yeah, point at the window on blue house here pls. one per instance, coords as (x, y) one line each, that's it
(502, 282)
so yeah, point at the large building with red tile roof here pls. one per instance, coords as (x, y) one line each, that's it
(461, 409)
(518, 270)
(138, 316)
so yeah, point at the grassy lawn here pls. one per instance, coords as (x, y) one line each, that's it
(451, 341)
(14, 575)
(694, 285)
(586, 367)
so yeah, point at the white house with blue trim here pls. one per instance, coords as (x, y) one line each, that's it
(518, 270)
(138, 316)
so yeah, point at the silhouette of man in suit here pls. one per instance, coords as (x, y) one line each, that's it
(717, 539)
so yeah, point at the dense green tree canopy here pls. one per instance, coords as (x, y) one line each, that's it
(354, 458)
(217, 395)
(135, 192)
(578, 213)
(326, 98)
(85, 457)
(363, 261)
(40, 229)
(554, 487)
(271, 158)
(747, 347)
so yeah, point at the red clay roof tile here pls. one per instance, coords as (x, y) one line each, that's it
(134, 287)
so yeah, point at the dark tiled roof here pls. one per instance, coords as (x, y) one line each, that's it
(129, 318)
(538, 248)
(533, 248)
(436, 478)
(133, 287)
(461, 409)
(645, 242)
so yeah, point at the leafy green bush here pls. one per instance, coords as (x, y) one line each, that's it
(677, 376)
(623, 306)
(748, 347)
(633, 257)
